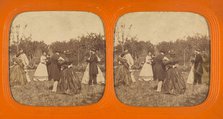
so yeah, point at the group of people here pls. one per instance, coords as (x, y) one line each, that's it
(162, 68)
(60, 69)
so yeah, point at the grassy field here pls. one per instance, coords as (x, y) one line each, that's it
(143, 93)
(140, 93)
(38, 93)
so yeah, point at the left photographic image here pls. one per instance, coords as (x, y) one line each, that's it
(57, 58)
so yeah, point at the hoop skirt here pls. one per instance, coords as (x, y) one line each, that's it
(190, 79)
(174, 82)
(18, 74)
(122, 73)
(41, 72)
(147, 72)
(69, 82)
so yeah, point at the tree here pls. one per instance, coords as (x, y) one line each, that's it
(79, 47)
(122, 34)
(17, 34)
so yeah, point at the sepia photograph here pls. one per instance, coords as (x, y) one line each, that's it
(162, 59)
(57, 58)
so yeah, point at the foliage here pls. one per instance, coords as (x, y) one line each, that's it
(30, 48)
(79, 48)
(183, 48)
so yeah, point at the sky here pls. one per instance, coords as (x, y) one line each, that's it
(147, 26)
(58, 26)
(163, 26)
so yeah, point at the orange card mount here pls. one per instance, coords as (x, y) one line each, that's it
(108, 106)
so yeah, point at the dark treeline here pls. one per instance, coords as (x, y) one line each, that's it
(79, 47)
(183, 48)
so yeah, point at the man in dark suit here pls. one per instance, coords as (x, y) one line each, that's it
(159, 69)
(93, 69)
(55, 70)
(198, 68)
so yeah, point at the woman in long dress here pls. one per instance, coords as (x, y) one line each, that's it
(122, 73)
(100, 77)
(69, 82)
(190, 78)
(41, 73)
(17, 73)
(146, 73)
(174, 82)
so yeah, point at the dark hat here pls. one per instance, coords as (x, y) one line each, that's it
(68, 52)
(162, 51)
(55, 51)
(122, 54)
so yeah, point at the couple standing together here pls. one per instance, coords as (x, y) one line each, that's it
(124, 72)
(170, 80)
(93, 74)
(196, 72)
(65, 78)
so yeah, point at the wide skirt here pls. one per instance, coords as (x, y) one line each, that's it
(174, 82)
(100, 77)
(147, 72)
(69, 82)
(190, 79)
(17, 76)
(122, 76)
(41, 72)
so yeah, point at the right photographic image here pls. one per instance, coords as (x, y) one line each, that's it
(162, 59)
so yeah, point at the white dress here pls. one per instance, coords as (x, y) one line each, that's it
(147, 72)
(41, 73)
(100, 77)
(190, 78)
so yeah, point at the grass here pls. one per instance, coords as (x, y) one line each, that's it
(138, 94)
(39, 94)
(143, 93)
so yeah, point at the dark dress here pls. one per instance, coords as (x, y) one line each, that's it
(93, 69)
(17, 73)
(122, 73)
(69, 82)
(55, 68)
(174, 82)
(159, 68)
(198, 69)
